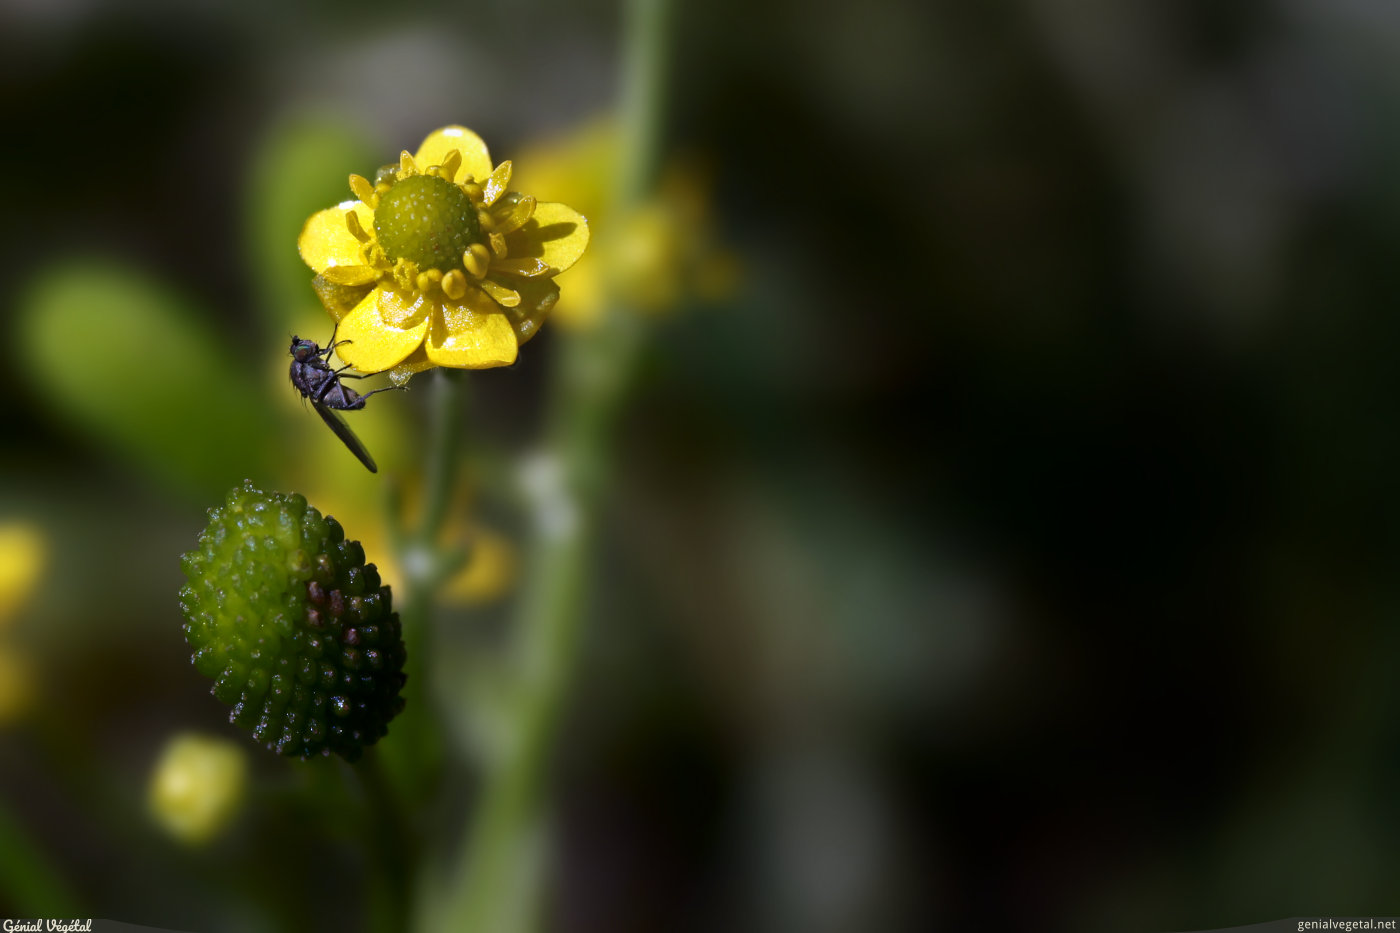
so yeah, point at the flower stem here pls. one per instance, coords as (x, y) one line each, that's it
(495, 884)
(413, 754)
(388, 838)
(642, 91)
(446, 406)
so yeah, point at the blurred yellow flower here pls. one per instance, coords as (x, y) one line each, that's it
(489, 573)
(437, 263)
(660, 253)
(16, 684)
(485, 577)
(196, 786)
(23, 552)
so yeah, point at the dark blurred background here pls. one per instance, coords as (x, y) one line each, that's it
(1011, 546)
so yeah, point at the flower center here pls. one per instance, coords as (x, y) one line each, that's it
(426, 220)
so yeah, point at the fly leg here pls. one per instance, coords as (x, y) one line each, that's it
(381, 389)
(338, 373)
(330, 347)
(346, 402)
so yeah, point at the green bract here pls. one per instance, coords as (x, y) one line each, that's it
(294, 627)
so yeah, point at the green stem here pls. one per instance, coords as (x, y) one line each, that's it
(495, 884)
(389, 841)
(448, 388)
(641, 93)
(413, 752)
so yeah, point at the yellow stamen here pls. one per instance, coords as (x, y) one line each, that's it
(473, 191)
(375, 256)
(451, 164)
(406, 164)
(454, 284)
(476, 259)
(498, 245)
(505, 297)
(427, 280)
(485, 220)
(496, 184)
(519, 215)
(362, 189)
(405, 272)
(352, 223)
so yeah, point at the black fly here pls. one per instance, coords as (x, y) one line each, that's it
(316, 381)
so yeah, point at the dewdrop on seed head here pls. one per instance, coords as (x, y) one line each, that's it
(293, 626)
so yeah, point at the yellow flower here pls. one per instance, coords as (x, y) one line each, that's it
(17, 685)
(23, 553)
(489, 572)
(196, 786)
(437, 263)
(657, 254)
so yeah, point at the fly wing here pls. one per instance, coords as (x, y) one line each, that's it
(347, 436)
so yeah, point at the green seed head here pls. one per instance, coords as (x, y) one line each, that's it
(426, 220)
(293, 626)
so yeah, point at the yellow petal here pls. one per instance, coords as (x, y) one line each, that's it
(417, 362)
(325, 241)
(351, 275)
(537, 298)
(372, 345)
(526, 267)
(403, 311)
(495, 186)
(476, 161)
(556, 233)
(338, 300)
(581, 297)
(472, 335)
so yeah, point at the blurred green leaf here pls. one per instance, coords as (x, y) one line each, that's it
(128, 361)
(302, 166)
(31, 886)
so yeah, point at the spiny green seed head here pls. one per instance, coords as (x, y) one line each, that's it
(292, 625)
(426, 220)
